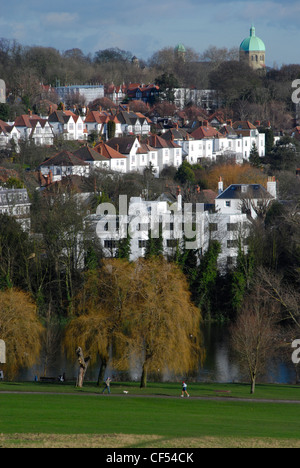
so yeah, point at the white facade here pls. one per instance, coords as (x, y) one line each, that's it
(41, 134)
(68, 125)
(189, 227)
(204, 98)
(144, 217)
(15, 203)
(7, 134)
(88, 92)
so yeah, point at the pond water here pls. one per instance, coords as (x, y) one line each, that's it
(220, 365)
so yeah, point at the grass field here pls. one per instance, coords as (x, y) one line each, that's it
(50, 415)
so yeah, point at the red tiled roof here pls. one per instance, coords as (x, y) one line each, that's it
(205, 131)
(243, 125)
(24, 120)
(64, 158)
(108, 151)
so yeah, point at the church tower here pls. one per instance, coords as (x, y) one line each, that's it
(253, 51)
(180, 52)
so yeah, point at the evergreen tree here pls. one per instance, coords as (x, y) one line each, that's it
(124, 249)
(111, 129)
(204, 287)
(241, 277)
(254, 158)
(154, 246)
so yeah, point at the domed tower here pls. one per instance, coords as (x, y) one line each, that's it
(253, 51)
(180, 52)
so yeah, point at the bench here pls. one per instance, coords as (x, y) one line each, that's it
(48, 379)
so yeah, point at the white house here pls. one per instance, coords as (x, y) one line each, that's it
(63, 164)
(32, 127)
(145, 219)
(134, 123)
(95, 159)
(88, 92)
(15, 203)
(187, 226)
(67, 124)
(8, 133)
(250, 135)
(169, 153)
(115, 161)
(234, 208)
(139, 155)
(97, 121)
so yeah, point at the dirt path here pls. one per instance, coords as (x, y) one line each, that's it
(132, 395)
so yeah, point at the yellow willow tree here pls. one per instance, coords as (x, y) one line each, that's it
(101, 321)
(21, 330)
(165, 327)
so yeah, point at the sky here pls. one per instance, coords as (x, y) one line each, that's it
(145, 26)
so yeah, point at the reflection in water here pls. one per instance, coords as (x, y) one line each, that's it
(220, 364)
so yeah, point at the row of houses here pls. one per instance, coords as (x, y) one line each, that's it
(201, 140)
(135, 153)
(71, 126)
(119, 154)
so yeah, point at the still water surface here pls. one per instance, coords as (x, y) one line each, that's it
(220, 365)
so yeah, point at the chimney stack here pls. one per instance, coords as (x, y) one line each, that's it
(220, 186)
(179, 199)
(272, 187)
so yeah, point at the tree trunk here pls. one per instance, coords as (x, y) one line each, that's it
(253, 379)
(144, 376)
(83, 364)
(102, 371)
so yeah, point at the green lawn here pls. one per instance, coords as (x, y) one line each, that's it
(66, 414)
(86, 412)
(239, 390)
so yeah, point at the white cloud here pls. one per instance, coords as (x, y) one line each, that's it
(60, 18)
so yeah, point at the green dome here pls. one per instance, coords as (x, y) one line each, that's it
(252, 43)
(180, 48)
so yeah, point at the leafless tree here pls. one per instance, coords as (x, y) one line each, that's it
(255, 335)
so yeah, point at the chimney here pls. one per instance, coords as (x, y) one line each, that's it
(179, 199)
(272, 187)
(220, 186)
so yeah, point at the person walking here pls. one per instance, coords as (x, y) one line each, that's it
(184, 390)
(107, 385)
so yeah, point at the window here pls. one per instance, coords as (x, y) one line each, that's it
(110, 244)
(228, 204)
(231, 244)
(142, 244)
(231, 227)
(171, 243)
(231, 261)
(213, 227)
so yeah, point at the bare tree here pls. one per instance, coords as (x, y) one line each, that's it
(282, 293)
(254, 335)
